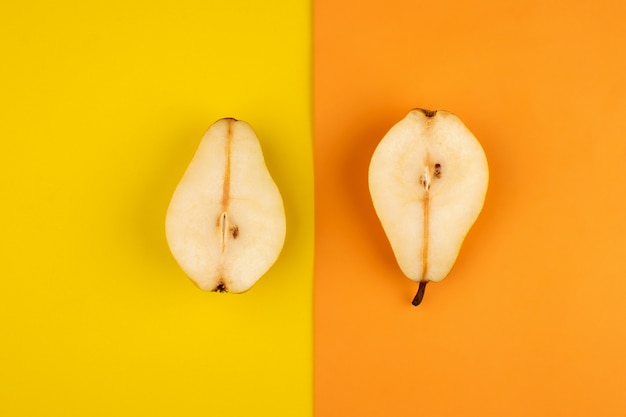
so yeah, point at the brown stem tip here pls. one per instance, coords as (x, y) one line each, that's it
(221, 287)
(420, 293)
(428, 113)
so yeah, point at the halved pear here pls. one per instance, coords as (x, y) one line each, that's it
(225, 224)
(428, 179)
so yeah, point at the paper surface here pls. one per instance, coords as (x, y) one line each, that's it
(531, 319)
(103, 106)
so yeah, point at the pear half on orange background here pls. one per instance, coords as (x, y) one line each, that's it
(428, 180)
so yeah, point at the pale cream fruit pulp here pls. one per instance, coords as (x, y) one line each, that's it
(225, 224)
(428, 179)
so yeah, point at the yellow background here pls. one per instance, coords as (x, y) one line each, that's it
(102, 106)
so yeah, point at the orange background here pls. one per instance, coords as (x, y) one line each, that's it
(532, 319)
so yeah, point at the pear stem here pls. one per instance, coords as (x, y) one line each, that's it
(420, 293)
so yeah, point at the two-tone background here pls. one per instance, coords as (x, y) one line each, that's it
(102, 105)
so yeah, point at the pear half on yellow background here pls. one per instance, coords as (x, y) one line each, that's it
(225, 224)
(428, 180)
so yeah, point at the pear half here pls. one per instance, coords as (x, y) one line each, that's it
(225, 224)
(428, 179)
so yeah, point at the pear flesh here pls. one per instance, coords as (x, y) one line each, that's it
(428, 180)
(225, 224)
